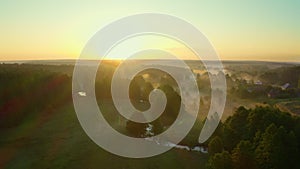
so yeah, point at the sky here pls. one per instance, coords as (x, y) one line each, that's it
(239, 30)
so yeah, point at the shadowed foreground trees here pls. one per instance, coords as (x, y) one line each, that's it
(215, 146)
(243, 156)
(26, 90)
(260, 138)
(140, 91)
(220, 160)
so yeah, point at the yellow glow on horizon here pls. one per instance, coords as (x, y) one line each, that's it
(136, 44)
(36, 30)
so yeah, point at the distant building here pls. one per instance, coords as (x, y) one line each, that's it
(285, 86)
(258, 82)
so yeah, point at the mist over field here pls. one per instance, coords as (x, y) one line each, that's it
(260, 125)
(149, 84)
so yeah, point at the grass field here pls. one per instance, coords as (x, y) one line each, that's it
(56, 140)
(292, 106)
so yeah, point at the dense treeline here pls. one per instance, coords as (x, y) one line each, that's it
(276, 83)
(25, 90)
(260, 138)
(139, 90)
(283, 75)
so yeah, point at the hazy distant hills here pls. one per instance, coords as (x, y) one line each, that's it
(226, 62)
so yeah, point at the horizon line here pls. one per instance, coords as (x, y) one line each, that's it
(222, 60)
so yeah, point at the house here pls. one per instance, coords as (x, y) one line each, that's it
(258, 82)
(285, 86)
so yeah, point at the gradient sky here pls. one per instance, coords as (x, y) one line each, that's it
(239, 30)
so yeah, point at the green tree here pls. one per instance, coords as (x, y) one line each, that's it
(278, 149)
(220, 161)
(215, 146)
(243, 156)
(235, 129)
(135, 88)
(157, 126)
(173, 105)
(136, 129)
(145, 89)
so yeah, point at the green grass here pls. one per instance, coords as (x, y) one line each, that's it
(57, 141)
(272, 102)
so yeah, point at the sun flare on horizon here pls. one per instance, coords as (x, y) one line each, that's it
(256, 30)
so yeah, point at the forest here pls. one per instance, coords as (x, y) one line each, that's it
(39, 128)
(261, 138)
